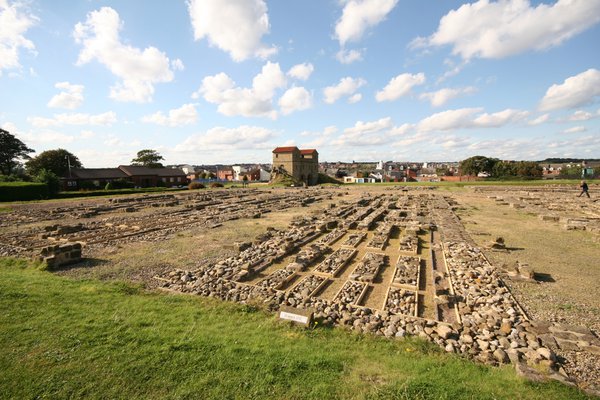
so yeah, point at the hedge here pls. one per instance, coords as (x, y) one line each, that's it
(18, 191)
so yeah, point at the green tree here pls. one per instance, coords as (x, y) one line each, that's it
(11, 150)
(476, 164)
(50, 179)
(148, 158)
(504, 169)
(56, 161)
(529, 169)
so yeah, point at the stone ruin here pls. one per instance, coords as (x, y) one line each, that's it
(363, 267)
(61, 254)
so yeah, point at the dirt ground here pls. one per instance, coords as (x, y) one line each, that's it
(566, 262)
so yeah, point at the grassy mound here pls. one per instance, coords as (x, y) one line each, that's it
(282, 179)
(64, 338)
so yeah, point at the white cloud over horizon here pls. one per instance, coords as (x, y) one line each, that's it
(108, 118)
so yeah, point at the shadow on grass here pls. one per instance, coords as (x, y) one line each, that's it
(86, 263)
(541, 277)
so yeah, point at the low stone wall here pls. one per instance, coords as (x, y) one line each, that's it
(60, 254)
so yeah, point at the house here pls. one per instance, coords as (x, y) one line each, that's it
(225, 174)
(139, 176)
(302, 165)
(352, 179)
(552, 170)
(149, 177)
(80, 178)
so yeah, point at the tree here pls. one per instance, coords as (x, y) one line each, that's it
(11, 149)
(56, 161)
(476, 164)
(50, 179)
(504, 169)
(148, 158)
(529, 169)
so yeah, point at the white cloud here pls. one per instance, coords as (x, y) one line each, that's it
(301, 71)
(107, 119)
(234, 26)
(249, 102)
(539, 120)
(349, 56)
(447, 120)
(40, 138)
(138, 69)
(575, 129)
(500, 118)
(464, 118)
(355, 98)
(346, 87)
(367, 133)
(295, 99)
(70, 98)
(117, 142)
(442, 96)
(400, 86)
(575, 91)
(581, 115)
(184, 115)
(358, 16)
(219, 138)
(361, 128)
(504, 28)
(177, 64)
(87, 134)
(14, 23)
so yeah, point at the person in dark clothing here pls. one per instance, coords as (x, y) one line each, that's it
(584, 189)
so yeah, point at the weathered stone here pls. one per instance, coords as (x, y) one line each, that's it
(501, 356)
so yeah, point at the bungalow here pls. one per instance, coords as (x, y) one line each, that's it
(139, 176)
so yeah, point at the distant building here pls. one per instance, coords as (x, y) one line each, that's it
(139, 176)
(302, 165)
(225, 174)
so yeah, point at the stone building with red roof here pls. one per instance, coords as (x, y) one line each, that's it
(302, 165)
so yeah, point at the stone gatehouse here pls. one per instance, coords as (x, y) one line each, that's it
(302, 165)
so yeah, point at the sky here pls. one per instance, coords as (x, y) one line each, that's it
(227, 81)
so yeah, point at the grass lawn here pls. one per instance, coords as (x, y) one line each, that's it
(64, 338)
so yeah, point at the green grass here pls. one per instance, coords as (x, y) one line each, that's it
(63, 338)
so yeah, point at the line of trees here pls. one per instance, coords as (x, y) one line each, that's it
(45, 168)
(49, 166)
(500, 169)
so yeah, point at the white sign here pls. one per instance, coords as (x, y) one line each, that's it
(294, 317)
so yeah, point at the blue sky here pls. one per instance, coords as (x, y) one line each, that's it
(226, 81)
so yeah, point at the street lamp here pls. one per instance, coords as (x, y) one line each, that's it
(69, 164)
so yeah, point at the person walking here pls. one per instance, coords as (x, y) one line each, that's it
(584, 189)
